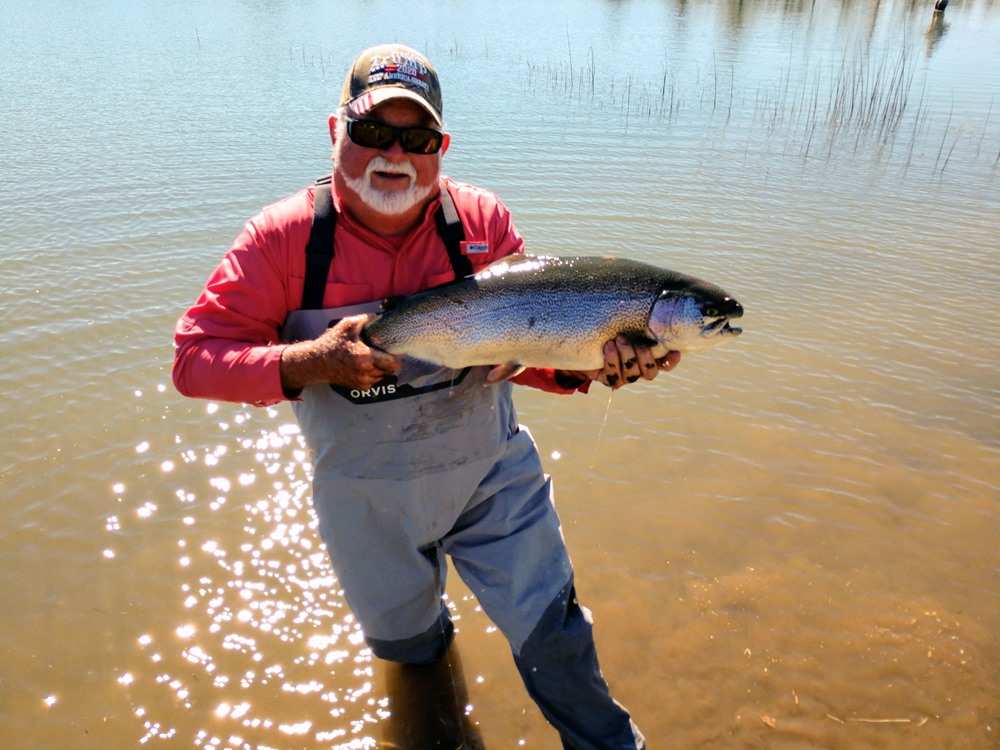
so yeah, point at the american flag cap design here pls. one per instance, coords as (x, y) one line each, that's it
(391, 71)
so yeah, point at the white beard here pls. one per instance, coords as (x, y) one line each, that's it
(385, 202)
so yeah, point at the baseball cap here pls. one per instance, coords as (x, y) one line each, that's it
(391, 71)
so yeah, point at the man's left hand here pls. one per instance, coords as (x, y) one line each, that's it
(625, 363)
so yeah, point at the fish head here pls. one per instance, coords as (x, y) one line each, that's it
(694, 317)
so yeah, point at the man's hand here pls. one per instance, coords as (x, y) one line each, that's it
(626, 363)
(338, 356)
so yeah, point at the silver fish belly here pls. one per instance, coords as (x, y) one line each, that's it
(555, 312)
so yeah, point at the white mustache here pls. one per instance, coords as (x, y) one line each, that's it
(381, 164)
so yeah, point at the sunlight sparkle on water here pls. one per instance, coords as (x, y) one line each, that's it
(300, 728)
(221, 484)
(274, 580)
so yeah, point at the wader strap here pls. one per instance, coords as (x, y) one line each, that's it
(449, 226)
(319, 251)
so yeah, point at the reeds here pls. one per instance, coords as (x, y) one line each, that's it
(862, 101)
(870, 95)
(864, 95)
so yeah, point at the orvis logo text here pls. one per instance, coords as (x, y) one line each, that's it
(376, 391)
(390, 389)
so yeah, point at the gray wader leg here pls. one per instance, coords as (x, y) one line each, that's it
(558, 663)
(426, 648)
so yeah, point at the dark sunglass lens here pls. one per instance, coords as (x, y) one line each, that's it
(420, 140)
(370, 134)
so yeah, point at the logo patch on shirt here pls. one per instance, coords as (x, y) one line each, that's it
(475, 248)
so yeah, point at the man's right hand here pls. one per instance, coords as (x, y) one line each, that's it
(338, 356)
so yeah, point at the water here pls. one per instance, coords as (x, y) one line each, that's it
(790, 542)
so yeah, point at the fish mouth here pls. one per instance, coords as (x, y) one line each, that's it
(720, 327)
(717, 316)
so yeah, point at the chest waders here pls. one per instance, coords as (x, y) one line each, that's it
(403, 471)
(431, 463)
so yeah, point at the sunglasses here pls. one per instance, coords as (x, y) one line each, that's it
(371, 134)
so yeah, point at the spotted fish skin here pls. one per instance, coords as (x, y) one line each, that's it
(543, 311)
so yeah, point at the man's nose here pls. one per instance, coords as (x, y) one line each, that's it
(395, 150)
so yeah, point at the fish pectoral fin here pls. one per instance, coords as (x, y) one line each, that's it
(503, 372)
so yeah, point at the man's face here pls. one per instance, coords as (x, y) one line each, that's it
(389, 181)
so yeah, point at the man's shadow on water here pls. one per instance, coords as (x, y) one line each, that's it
(427, 706)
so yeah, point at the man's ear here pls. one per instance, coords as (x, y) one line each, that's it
(445, 143)
(333, 129)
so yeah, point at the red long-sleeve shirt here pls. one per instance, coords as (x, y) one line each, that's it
(228, 343)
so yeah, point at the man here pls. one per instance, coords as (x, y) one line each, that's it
(411, 463)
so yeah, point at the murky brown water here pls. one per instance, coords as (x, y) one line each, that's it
(791, 542)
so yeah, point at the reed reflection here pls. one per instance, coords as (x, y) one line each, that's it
(937, 28)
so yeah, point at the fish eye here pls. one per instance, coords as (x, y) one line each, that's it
(710, 312)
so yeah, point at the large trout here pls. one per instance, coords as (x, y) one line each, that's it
(555, 312)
